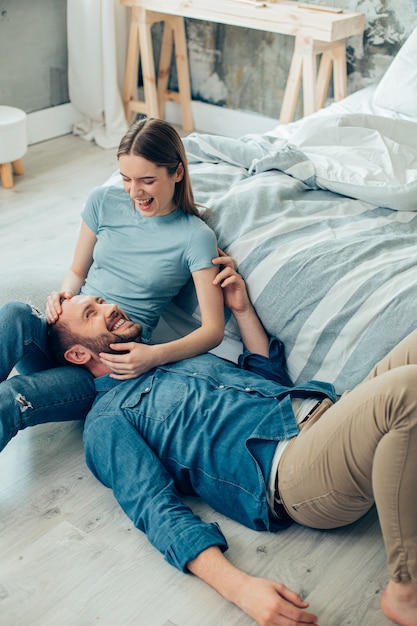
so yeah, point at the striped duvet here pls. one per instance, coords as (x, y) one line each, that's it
(334, 277)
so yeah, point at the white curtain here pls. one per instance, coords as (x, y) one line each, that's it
(97, 41)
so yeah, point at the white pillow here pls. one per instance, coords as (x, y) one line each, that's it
(397, 89)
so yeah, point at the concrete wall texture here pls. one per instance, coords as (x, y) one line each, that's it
(33, 53)
(233, 67)
(246, 69)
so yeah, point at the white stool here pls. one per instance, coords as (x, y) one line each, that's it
(13, 143)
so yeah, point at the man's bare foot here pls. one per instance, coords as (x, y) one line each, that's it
(399, 603)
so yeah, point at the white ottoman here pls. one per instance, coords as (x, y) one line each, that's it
(13, 143)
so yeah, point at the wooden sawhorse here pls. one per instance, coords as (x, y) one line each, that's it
(315, 83)
(140, 48)
(318, 31)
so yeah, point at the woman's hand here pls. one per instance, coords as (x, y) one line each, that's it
(53, 304)
(130, 360)
(74, 279)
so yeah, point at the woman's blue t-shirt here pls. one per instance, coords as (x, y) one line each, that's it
(141, 263)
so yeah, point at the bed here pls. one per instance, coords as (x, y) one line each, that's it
(320, 216)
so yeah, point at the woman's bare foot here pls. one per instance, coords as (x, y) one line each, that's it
(399, 603)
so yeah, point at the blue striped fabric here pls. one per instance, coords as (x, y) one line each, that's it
(333, 277)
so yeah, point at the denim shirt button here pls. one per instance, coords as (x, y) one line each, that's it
(147, 389)
(221, 386)
(248, 389)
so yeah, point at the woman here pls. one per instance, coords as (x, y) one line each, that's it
(141, 258)
(137, 247)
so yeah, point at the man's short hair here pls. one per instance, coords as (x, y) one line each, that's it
(61, 339)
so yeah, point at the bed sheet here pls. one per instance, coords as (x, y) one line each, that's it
(333, 276)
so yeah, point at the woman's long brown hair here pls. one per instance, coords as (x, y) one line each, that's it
(157, 141)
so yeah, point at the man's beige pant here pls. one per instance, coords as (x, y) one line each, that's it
(362, 450)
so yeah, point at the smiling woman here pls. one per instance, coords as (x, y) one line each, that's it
(141, 258)
(137, 247)
(144, 140)
(150, 186)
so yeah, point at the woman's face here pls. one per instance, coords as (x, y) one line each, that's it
(150, 186)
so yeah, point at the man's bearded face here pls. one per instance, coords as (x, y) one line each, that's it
(97, 323)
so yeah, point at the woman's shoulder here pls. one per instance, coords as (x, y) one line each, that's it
(103, 202)
(200, 235)
(105, 191)
(100, 198)
(195, 221)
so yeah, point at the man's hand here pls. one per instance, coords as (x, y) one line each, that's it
(134, 359)
(268, 603)
(237, 299)
(273, 604)
(234, 288)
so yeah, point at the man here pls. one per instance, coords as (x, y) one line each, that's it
(206, 427)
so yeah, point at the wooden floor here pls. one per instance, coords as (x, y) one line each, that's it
(69, 555)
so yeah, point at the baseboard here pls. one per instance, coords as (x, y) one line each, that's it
(53, 122)
(208, 118)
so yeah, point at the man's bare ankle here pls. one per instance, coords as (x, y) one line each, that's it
(399, 603)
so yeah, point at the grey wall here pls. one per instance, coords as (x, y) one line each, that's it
(233, 67)
(33, 53)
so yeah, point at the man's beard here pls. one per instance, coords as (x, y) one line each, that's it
(102, 342)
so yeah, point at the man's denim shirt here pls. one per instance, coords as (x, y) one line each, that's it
(200, 427)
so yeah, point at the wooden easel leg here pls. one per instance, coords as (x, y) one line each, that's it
(18, 167)
(148, 65)
(6, 175)
(309, 77)
(339, 70)
(292, 89)
(165, 65)
(132, 65)
(181, 58)
(323, 78)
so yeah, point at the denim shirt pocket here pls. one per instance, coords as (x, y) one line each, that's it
(156, 399)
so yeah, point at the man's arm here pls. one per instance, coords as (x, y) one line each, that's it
(236, 298)
(263, 355)
(119, 457)
(267, 602)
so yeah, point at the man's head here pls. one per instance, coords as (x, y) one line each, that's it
(86, 327)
